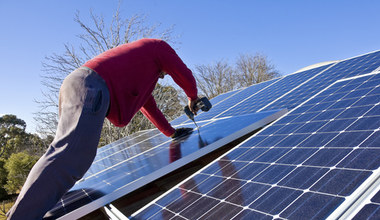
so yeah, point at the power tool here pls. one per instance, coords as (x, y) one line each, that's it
(202, 104)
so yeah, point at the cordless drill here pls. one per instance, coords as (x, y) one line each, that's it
(202, 104)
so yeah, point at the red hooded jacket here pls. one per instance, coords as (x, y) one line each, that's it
(131, 72)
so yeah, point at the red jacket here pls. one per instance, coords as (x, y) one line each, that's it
(131, 72)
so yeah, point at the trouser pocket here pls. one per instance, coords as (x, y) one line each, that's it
(93, 100)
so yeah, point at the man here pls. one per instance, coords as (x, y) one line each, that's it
(115, 84)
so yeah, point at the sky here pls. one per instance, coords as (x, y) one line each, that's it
(292, 34)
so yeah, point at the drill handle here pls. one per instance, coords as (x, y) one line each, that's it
(188, 112)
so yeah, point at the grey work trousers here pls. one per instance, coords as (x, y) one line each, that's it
(83, 104)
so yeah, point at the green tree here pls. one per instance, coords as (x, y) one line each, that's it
(3, 180)
(12, 134)
(8, 121)
(14, 138)
(18, 167)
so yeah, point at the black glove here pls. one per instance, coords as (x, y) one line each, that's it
(181, 132)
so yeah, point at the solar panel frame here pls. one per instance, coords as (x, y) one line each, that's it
(351, 208)
(371, 207)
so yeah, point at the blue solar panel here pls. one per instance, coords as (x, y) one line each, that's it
(344, 69)
(303, 166)
(281, 87)
(137, 161)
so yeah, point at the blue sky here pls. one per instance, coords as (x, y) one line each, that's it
(292, 34)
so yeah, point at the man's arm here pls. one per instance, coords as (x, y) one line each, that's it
(151, 111)
(172, 64)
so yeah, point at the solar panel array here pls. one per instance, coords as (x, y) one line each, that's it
(132, 158)
(309, 164)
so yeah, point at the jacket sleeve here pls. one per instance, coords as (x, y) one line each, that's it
(174, 66)
(151, 111)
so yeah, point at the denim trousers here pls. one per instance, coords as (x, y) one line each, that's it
(83, 104)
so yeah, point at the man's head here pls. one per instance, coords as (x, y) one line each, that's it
(162, 74)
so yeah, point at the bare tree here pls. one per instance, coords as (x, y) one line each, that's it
(220, 77)
(252, 69)
(215, 79)
(96, 38)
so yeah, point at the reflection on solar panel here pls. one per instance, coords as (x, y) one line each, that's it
(315, 162)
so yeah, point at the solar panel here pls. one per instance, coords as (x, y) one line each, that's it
(123, 168)
(343, 69)
(271, 93)
(303, 166)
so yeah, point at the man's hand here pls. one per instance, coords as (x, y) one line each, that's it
(192, 106)
(181, 132)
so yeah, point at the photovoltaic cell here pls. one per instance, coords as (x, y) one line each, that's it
(303, 166)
